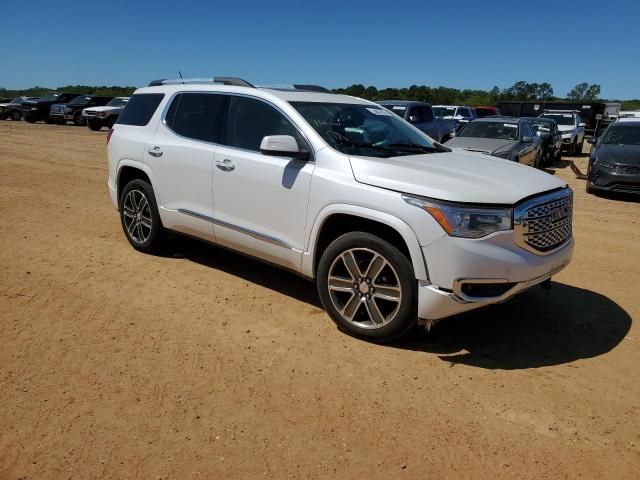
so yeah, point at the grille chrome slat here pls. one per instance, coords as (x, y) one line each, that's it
(543, 224)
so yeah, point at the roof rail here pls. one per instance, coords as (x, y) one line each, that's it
(311, 88)
(238, 82)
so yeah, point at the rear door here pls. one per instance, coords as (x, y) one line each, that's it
(181, 154)
(260, 202)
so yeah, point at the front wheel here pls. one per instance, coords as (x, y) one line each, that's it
(30, 119)
(94, 125)
(16, 115)
(368, 287)
(140, 218)
(78, 119)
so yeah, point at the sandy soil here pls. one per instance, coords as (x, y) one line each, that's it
(204, 364)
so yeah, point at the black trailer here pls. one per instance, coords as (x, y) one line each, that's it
(596, 115)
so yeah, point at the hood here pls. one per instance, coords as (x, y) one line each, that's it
(566, 128)
(621, 154)
(487, 145)
(455, 176)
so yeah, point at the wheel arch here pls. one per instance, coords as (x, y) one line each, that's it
(129, 170)
(335, 220)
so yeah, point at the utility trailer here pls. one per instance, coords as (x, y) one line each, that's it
(596, 115)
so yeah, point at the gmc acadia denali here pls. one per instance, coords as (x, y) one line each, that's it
(395, 228)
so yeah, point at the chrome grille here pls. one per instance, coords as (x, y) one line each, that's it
(57, 109)
(543, 224)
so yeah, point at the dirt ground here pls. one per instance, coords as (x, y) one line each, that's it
(204, 364)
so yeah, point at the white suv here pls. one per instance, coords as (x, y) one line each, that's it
(571, 127)
(393, 226)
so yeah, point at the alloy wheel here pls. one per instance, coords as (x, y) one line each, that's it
(364, 288)
(137, 216)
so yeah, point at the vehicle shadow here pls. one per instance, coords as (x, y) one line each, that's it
(249, 269)
(535, 329)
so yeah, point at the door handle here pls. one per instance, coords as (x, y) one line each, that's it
(155, 152)
(225, 165)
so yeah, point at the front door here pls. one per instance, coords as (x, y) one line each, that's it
(260, 202)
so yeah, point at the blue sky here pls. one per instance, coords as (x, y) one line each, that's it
(460, 44)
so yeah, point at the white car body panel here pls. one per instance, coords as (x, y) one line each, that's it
(274, 208)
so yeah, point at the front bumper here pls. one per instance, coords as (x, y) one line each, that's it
(468, 274)
(606, 179)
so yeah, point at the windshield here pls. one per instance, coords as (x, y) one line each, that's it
(560, 118)
(622, 135)
(365, 130)
(81, 100)
(499, 130)
(117, 102)
(444, 111)
(397, 109)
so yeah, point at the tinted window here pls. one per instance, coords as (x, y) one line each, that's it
(426, 114)
(415, 114)
(527, 131)
(140, 109)
(500, 130)
(197, 115)
(251, 120)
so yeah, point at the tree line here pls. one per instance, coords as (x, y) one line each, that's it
(523, 91)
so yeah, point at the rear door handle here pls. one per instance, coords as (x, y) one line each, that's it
(225, 165)
(155, 152)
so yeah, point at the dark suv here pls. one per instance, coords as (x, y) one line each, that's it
(38, 109)
(62, 112)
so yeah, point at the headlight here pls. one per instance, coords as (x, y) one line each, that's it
(462, 220)
(506, 154)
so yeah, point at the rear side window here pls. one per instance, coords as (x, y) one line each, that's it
(251, 120)
(197, 115)
(140, 109)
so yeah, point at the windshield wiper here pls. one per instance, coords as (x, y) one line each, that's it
(414, 147)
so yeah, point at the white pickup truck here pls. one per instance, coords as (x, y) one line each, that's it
(394, 228)
(571, 127)
(105, 116)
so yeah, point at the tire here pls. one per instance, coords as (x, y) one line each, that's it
(93, 125)
(558, 155)
(579, 148)
(30, 119)
(48, 120)
(574, 148)
(588, 188)
(15, 115)
(139, 217)
(538, 161)
(378, 306)
(78, 119)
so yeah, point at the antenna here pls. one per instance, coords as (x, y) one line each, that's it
(180, 73)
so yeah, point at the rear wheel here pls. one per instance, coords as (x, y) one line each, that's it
(368, 287)
(140, 218)
(16, 115)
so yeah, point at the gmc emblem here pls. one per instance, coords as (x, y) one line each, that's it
(560, 212)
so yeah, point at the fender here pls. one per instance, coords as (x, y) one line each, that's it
(409, 236)
(125, 162)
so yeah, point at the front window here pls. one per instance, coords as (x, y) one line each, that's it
(498, 130)
(622, 135)
(560, 118)
(540, 126)
(117, 102)
(444, 111)
(399, 110)
(365, 130)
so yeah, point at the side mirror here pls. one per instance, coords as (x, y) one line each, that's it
(413, 119)
(582, 124)
(282, 146)
(527, 139)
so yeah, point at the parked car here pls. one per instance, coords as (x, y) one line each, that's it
(13, 109)
(595, 115)
(482, 112)
(629, 114)
(106, 115)
(39, 109)
(614, 162)
(550, 138)
(421, 116)
(393, 226)
(571, 126)
(72, 110)
(456, 112)
(508, 138)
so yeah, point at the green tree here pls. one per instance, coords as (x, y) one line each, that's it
(583, 92)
